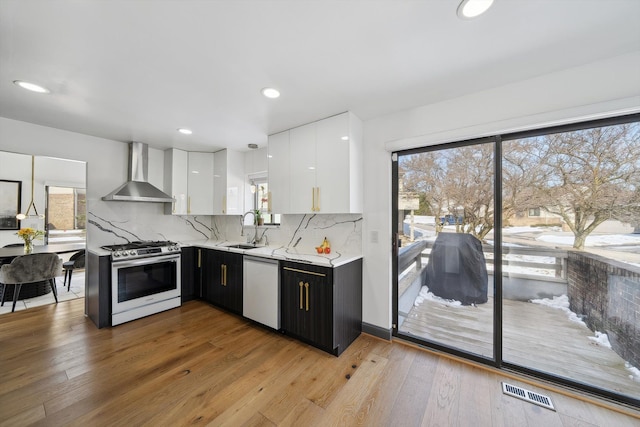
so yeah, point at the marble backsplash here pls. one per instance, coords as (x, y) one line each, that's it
(111, 223)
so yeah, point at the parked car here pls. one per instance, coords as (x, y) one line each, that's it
(450, 220)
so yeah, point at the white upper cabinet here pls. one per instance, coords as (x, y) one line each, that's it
(200, 181)
(255, 161)
(302, 168)
(324, 169)
(189, 179)
(228, 183)
(176, 164)
(279, 176)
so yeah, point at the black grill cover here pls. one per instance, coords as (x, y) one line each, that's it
(457, 269)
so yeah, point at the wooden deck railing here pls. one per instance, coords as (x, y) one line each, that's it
(414, 253)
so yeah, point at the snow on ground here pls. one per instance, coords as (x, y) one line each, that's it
(527, 229)
(634, 372)
(562, 303)
(426, 295)
(601, 339)
(593, 240)
(420, 219)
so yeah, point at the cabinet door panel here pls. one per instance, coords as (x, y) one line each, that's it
(303, 168)
(332, 164)
(235, 183)
(212, 287)
(294, 319)
(279, 179)
(307, 303)
(187, 269)
(233, 282)
(220, 182)
(176, 164)
(200, 180)
(320, 305)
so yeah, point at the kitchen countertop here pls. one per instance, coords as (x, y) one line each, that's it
(334, 259)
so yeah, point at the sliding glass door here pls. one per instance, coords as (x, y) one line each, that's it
(571, 265)
(445, 221)
(551, 286)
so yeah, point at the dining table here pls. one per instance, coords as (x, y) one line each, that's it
(57, 248)
(7, 254)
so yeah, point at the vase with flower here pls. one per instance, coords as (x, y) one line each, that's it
(29, 235)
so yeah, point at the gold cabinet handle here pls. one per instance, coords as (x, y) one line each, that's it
(306, 285)
(223, 274)
(317, 199)
(189, 204)
(313, 199)
(199, 258)
(304, 271)
(224, 204)
(269, 201)
(301, 285)
(173, 210)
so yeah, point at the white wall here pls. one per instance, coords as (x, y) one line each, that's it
(605, 88)
(47, 171)
(107, 168)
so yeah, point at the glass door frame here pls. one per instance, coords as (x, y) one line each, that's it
(497, 361)
(497, 251)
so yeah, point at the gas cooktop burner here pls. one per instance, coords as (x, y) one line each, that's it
(141, 249)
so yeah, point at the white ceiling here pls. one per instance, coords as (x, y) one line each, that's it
(137, 70)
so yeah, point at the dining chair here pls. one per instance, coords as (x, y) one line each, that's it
(76, 261)
(9, 259)
(27, 269)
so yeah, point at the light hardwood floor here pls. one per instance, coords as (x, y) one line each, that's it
(199, 365)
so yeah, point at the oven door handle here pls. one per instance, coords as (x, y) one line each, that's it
(145, 261)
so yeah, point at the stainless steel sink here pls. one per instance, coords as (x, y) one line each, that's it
(241, 246)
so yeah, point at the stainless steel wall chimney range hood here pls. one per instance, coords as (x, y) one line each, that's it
(137, 189)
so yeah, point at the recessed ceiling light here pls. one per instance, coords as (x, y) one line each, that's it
(471, 8)
(270, 92)
(185, 131)
(31, 86)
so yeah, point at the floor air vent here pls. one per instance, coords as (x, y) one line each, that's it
(529, 396)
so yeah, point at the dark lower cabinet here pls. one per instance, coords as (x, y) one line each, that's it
(222, 279)
(322, 306)
(188, 273)
(98, 289)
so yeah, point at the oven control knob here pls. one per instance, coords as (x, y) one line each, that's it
(132, 252)
(116, 254)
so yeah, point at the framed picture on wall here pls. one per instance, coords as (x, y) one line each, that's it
(10, 196)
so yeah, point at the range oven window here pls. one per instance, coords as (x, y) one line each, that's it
(142, 280)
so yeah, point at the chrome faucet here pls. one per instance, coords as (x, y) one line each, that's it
(255, 222)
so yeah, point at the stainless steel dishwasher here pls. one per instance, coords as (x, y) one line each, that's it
(261, 291)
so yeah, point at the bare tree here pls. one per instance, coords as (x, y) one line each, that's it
(585, 177)
(458, 182)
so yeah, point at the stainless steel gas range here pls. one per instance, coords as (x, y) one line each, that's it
(145, 279)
